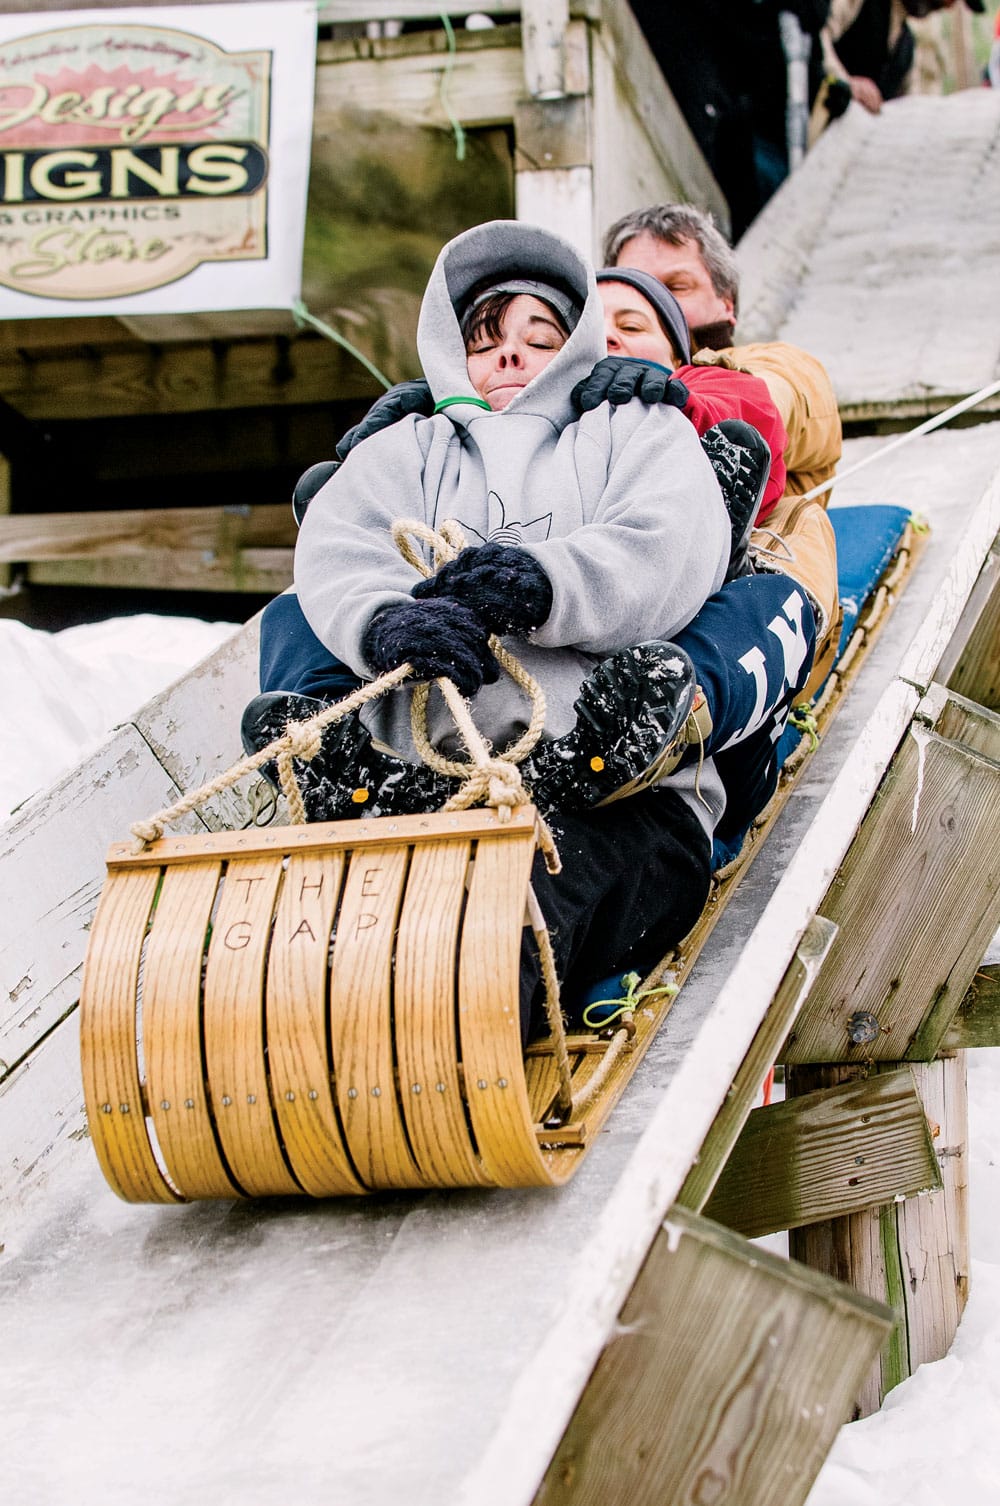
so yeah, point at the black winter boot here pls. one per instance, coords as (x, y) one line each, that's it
(637, 713)
(741, 461)
(349, 776)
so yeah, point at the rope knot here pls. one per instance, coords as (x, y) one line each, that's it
(303, 739)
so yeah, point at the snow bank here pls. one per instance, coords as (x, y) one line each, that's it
(62, 693)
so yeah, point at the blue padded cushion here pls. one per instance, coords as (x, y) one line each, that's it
(866, 541)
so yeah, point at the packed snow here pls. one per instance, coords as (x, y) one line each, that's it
(936, 1440)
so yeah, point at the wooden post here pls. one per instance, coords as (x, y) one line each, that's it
(913, 1255)
(728, 1377)
(543, 32)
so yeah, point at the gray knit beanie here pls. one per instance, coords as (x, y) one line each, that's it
(668, 310)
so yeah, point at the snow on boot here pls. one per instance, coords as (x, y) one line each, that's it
(741, 461)
(349, 776)
(637, 713)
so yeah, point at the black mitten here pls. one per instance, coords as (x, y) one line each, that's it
(404, 398)
(617, 379)
(506, 587)
(439, 638)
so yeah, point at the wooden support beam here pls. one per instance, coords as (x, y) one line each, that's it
(913, 1254)
(264, 572)
(788, 1000)
(219, 531)
(728, 1377)
(830, 1152)
(978, 1020)
(131, 380)
(971, 665)
(925, 854)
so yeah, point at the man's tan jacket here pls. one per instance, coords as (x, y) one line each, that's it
(798, 537)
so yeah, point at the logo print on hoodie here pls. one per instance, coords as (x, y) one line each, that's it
(514, 533)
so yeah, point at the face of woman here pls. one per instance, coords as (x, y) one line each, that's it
(530, 336)
(631, 325)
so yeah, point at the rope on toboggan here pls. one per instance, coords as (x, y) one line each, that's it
(487, 778)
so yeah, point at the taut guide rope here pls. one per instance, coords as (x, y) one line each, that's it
(494, 780)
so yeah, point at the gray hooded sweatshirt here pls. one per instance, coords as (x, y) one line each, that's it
(620, 507)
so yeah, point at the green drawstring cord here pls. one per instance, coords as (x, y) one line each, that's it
(302, 317)
(919, 523)
(450, 402)
(627, 1004)
(803, 721)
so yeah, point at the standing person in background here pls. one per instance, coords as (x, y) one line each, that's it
(868, 44)
(681, 247)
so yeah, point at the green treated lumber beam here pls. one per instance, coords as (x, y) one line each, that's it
(727, 1379)
(838, 1150)
(978, 1020)
(816, 942)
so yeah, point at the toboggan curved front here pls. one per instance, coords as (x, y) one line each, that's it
(320, 1009)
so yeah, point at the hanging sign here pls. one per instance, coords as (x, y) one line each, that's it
(154, 161)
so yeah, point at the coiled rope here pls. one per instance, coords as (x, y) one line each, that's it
(488, 778)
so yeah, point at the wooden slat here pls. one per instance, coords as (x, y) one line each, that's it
(913, 1254)
(340, 835)
(977, 1022)
(361, 1018)
(828, 1153)
(297, 1025)
(728, 1375)
(122, 381)
(925, 853)
(171, 1031)
(255, 571)
(424, 1016)
(112, 1089)
(971, 666)
(132, 535)
(233, 1014)
(489, 1014)
(788, 1000)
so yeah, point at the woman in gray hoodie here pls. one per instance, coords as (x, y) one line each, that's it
(588, 535)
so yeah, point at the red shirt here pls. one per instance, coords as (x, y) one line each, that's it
(716, 392)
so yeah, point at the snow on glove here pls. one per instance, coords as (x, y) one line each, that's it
(506, 587)
(397, 403)
(439, 638)
(617, 379)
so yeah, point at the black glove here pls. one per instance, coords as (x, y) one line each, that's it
(617, 379)
(437, 638)
(404, 398)
(506, 587)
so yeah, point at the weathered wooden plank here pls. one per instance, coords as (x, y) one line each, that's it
(977, 1022)
(253, 571)
(193, 727)
(827, 1153)
(971, 666)
(132, 533)
(121, 381)
(788, 1000)
(925, 852)
(728, 1376)
(51, 871)
(42, 1118)
(913, 1254)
